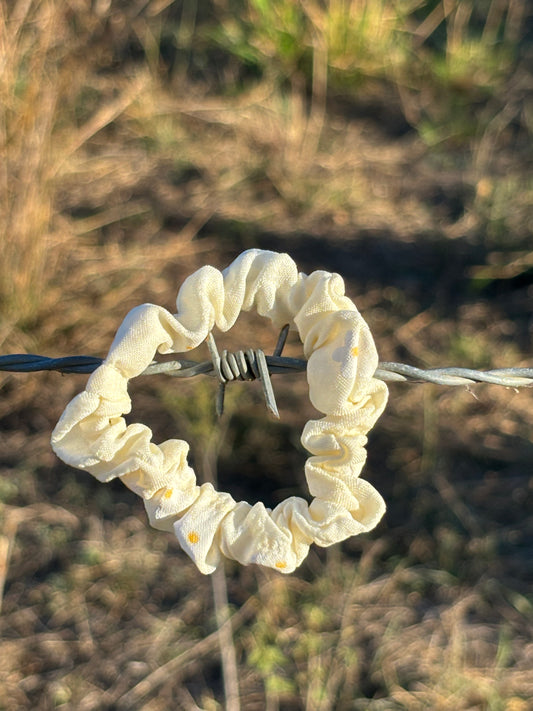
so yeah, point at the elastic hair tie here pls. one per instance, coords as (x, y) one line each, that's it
(92, 434)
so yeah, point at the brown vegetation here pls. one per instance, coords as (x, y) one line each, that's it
(389, 142)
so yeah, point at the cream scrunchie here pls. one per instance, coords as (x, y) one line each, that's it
(92, 434)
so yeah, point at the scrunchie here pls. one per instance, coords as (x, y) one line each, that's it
(92, 434)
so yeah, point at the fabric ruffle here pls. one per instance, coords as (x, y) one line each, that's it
(92, 434)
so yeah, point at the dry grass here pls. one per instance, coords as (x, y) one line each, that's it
(29, 92)
(141, 140)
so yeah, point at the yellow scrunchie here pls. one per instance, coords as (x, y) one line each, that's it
(92, 434)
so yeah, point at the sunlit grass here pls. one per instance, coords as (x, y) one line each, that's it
(439, 58)
(30, 88)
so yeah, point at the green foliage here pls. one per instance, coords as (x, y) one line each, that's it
(270, 660)
(8, 490)
(443, 61)
(269, 35)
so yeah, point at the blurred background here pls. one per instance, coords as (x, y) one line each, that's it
(386, 141)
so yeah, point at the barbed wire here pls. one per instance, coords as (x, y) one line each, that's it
(387, 371)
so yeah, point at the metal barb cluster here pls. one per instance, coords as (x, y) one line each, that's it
(252, 364)
(245, 365)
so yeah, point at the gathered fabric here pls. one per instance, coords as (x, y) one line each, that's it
(92, 434)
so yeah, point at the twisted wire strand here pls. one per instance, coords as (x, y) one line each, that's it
(230, 363)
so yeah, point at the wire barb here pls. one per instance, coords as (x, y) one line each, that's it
(244, 365)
